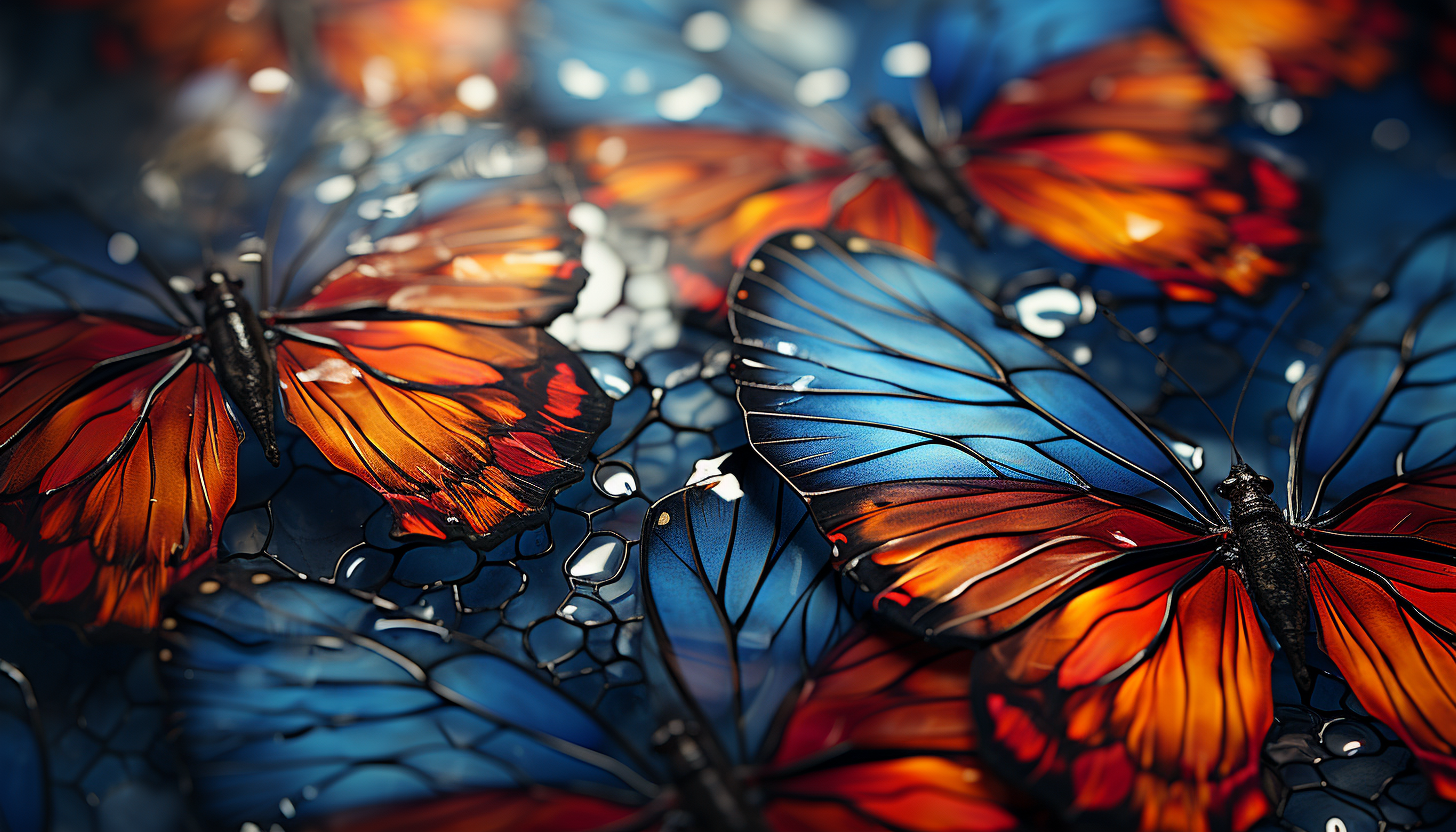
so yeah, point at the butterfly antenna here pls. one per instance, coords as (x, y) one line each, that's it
(1121, 327)
(1268, 339)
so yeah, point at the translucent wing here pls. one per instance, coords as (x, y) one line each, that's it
(1382, 405)
(300, 698)
(117, 464)
(1111, 157)
(466, 430)
(863, 364)
(509, 258)
(739, 597)
(1306, 45)
(411, 56)
(1142, 702)
(880, 738)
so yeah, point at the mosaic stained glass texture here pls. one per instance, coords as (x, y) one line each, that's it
(727, 415)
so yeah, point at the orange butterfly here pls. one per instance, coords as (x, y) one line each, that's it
(416, 57)
(1306, 44)
(419, 368)
(1110, 156)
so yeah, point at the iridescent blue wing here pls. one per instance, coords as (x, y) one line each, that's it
(1384, 405)
(739, 596)
(860, 364)
(304, 699)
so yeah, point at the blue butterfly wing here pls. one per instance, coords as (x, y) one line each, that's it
(870, 366)
(1384, 404)
(740, 598)
(301, 698)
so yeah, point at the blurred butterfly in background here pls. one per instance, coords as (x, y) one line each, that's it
(766, 709)
(413, 57)
(984, 489)
(1305, 45)
(418, 366)
(1095, 138)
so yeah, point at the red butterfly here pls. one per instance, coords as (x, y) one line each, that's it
(415, 57)
(1111, 156)
(419, 368)
(1306, 44)
(987, 490)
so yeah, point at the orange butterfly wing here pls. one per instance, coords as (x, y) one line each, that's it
(507, 259)
(1307, 44)
(408, 55)
(413, 55)
(1142, 702)
(1382, 582)
(901, 707)
(466, 430)
(116, 488)
(1110, 156)
(720, 194)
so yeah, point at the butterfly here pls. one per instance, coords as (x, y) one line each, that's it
(1307, 46)
(418, 366)
(986, 490)
(412, 57)
(762, 704)
(1097, 139)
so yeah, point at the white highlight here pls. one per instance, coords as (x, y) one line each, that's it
(1295, 371)
(910, 59)
(1051, 299)
(593, 562)
(334, 189)
(122, 248)
(580, 80)
(333, 370)
(706, 31)
(821, 85)
(691, 99)
(477, 92)
(1140, 228)
(269, 80)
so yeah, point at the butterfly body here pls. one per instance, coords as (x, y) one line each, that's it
(924, 168)
(242, 355)
(1272, 565)
(707, 789)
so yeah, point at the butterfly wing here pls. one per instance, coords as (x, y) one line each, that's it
(739, 598)
(1143, 701)
(880, 738)
(1306, 45)
(1377, 432)
(466, 430)
(304, 699)
(508, 258)
(117, 464)
(1111, 157)
(889, 395)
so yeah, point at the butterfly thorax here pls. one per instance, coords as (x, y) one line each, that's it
(1269, 557)
(924, 168)
(709, 791)
(242, 357)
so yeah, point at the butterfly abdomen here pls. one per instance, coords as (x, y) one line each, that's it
(1269, 555)
(241, 356)
(709, 790)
